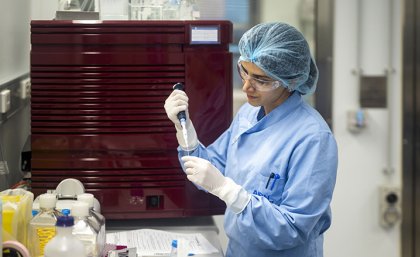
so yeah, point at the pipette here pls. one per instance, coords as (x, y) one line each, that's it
(182, 117)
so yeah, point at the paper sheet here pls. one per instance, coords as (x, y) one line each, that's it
(152, 242)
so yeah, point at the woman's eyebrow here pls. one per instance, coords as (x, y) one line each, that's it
(262, 77)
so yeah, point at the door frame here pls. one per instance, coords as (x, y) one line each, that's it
(410, 239)
(324, 33)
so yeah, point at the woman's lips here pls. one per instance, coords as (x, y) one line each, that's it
(251, 97)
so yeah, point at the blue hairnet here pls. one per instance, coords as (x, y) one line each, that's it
(282, 53)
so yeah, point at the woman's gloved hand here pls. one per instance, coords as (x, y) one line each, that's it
(176, 102)
(202, 173)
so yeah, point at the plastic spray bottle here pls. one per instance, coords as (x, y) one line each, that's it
(65, 244)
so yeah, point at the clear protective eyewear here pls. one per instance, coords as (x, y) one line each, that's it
(258, 84)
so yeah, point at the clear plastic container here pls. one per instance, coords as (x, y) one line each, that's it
(85, 229)
(65, 244)
(10, 214)
(96, 219)
(17, 206)
(174, 249)
(42, 225)
(179, 248)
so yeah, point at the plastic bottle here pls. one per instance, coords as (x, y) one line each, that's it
(65, 244)
(96, 219)
(84, 229)
(65, 212)
(34, 213)
(10, 214)
(174, 249)
(42, 225)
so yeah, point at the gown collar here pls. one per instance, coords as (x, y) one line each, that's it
(260, 122)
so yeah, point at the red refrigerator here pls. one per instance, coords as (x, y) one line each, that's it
(98, 90)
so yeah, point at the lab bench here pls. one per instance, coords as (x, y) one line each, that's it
(204, 225)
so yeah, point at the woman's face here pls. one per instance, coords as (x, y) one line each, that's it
(270, 98)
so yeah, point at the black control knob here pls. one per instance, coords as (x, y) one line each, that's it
(391, 198)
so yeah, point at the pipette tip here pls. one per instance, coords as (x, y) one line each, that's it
(184, 133)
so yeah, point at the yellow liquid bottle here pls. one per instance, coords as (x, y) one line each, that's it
(10, 215)
(42, 226)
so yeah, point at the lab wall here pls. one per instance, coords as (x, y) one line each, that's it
(280, 10)
(14, 65)
(14, 33)
(367, 41)
(43, 9)
(15, 18)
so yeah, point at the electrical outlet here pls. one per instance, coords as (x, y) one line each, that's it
(390, 206)
(4, 101)
(25, 88)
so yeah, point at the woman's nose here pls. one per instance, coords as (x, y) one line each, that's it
(247, 86)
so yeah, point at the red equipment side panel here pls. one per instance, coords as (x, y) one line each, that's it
(98, 90)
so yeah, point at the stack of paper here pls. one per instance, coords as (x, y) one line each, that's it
(151, 242)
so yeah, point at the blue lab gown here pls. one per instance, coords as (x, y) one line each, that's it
(289, 212)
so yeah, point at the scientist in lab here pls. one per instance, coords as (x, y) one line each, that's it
(275, 166)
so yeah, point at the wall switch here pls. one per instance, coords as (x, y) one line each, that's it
(4, 101)
(390, 206)
(25, 88)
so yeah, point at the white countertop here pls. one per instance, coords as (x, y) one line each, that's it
(204, 225)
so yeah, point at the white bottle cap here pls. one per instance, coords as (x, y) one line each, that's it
(70, 187)
(80, 209)
(87, 198)
(47, 201)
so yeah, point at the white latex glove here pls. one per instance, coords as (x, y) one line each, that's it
(176, 102)
(202, 173)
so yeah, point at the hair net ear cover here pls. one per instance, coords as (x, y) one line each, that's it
(282, 52)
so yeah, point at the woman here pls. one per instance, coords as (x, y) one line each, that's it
(275, 166)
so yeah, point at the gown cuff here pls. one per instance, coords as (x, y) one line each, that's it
(235, 196)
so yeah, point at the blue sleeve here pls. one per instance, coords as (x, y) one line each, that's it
(305, 205)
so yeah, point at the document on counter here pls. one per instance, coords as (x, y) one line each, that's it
(152, 242)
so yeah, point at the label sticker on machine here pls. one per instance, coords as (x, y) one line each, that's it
(205, 35)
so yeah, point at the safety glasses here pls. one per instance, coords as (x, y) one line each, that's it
(257, 84)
